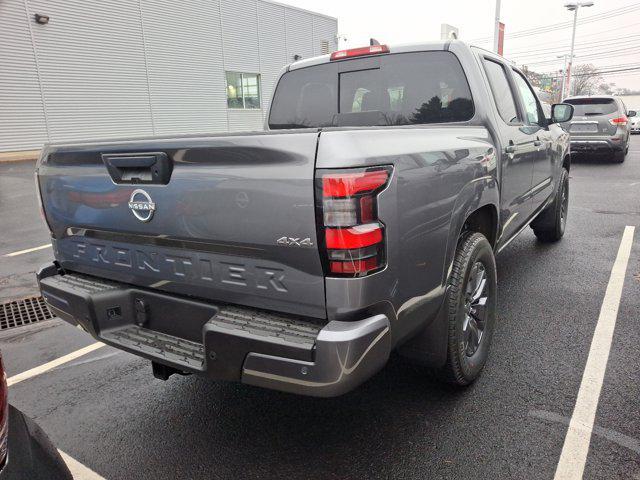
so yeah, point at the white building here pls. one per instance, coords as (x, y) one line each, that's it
(99, 69)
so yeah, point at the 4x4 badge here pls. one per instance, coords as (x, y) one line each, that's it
(295, 242)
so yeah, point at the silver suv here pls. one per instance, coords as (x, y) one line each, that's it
(600, 125)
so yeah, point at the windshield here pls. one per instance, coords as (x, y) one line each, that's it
(399, 89)
(585, 107)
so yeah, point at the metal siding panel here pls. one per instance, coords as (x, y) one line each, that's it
(273, 48)
(240, 35)
(22, 120)
(245, 120)
(324, 29)
(149, 68)
(185, 64)
(92, 69)
(299, 27)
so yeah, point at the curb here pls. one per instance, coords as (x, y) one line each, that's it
(24, 156)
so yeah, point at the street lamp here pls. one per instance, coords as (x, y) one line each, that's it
(574, 7)
(564, 75)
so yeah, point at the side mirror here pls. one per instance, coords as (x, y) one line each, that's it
(561, 113)
(631, 113)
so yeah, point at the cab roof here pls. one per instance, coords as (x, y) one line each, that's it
(400, 48)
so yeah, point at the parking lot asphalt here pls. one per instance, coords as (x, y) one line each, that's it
(107, 411)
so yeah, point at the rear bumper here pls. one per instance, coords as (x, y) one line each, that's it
(596, 145)
(221, 341)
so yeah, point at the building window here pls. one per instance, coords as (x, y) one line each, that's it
(324, 47)
(243, 90)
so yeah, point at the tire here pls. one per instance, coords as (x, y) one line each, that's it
(619, 157)
(552, 221)
(471, 310)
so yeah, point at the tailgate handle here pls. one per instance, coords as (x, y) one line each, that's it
(138, 168)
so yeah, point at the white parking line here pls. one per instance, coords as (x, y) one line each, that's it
(78, 470)
(576, 443)
(614, 436)
(52, 364)
(28, 250)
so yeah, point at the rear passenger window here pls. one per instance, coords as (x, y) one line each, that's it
(501, 90)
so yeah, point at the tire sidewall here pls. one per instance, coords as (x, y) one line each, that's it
(470, 367)
(564, 186)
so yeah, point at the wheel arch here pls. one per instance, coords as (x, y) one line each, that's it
(476, 209)
(484, 220)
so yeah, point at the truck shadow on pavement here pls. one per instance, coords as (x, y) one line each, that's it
(249, 432)
(595, 159)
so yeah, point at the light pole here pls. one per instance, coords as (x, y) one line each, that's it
(573, 7)
(564, 75)
(496, 28)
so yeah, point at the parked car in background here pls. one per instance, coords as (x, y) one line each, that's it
(635, 124)
(364, 221)
(601, 126)
(26, 453)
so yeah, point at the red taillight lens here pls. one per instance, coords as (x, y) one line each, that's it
(355, 266)
(353, 236)
(349, 184)
(619, 121)
(359, 52)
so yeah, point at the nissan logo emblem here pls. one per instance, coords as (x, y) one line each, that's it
(141, 205)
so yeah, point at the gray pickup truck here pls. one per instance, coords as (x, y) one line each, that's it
(363, 221)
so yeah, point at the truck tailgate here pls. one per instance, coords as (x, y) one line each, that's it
(206, 227)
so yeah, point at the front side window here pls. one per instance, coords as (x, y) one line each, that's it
(529, 99)
(396, 89)
(243, 90)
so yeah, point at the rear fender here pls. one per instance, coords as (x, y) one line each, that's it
(476, 194)
(429, 346)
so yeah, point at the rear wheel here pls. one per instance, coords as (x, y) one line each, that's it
(471, 304)
(619, 157)
(551, 223)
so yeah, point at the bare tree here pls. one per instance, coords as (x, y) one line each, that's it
(586, 80)
(608, 88)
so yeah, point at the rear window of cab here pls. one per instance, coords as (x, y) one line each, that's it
(396, 89)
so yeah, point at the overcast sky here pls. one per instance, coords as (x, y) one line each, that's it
(609, 36)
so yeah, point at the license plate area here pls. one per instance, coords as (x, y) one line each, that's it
(591, 127)
(178, 317)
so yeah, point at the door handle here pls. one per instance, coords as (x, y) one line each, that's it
(537, 143)
(134, 168)
(510, 149)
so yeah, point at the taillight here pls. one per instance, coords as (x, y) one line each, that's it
(40, 204)
(4, 414)
(622, 121)
(359, 52)
(35, 176)
(352, 235)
